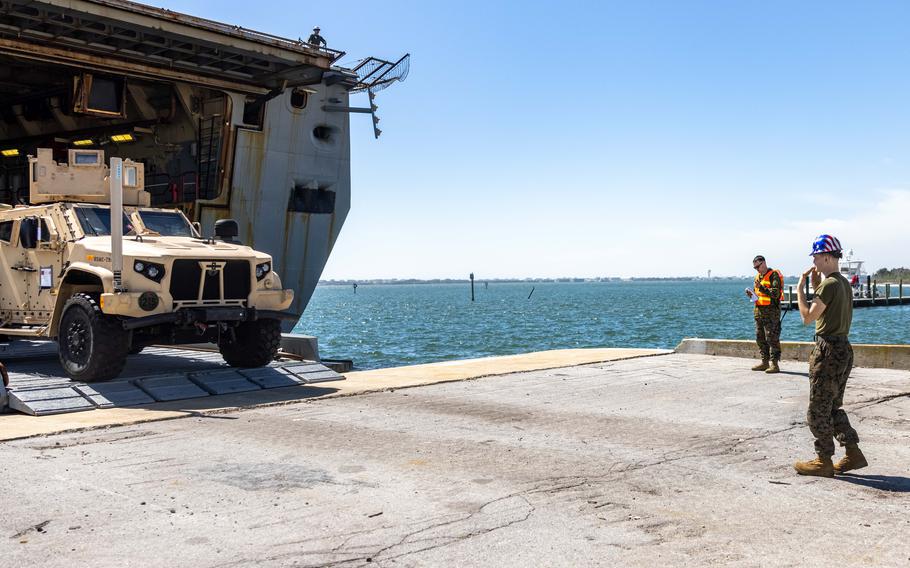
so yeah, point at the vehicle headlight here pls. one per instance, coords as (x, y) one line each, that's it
(150, 270)
(263, 269)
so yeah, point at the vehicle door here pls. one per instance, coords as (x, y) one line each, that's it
(15, 269)
(45, 259)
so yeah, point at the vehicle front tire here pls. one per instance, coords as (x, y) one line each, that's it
(92, 346)
(255, 343)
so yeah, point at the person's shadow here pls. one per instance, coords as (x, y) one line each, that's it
(881, 482)
(795, 373)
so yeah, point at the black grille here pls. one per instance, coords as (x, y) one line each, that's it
(185, 281)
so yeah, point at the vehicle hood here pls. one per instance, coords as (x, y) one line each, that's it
(177, 247)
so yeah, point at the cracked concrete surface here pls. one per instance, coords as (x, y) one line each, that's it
(677, 459)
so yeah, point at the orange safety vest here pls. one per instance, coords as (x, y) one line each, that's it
(764, 299)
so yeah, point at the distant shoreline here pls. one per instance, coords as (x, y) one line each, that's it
(788, 280)
(388, 281)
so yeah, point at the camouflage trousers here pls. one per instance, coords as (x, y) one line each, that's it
(767, 334)
(829, 367)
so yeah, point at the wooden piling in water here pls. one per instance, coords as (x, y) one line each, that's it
(472, 286)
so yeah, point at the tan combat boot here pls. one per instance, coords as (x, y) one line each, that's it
(820, 466)
(853, 460)
(761, 366)
(773, 367)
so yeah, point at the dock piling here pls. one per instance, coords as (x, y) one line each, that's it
(868, 295)
(472, 286)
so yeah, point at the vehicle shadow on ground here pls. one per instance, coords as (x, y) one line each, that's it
(893, 483)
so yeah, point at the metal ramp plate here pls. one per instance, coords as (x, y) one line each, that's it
(39, 386)
(311, 372)
(115, 393)
(223, 382)
(271, 377)
(42, 401)
(170, 387)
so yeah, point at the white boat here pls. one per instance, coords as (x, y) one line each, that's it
(853, 270)
(850, 267)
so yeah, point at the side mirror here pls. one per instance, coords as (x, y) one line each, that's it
(28, 232)
(226, 229)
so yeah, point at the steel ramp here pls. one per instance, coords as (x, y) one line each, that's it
(52, 399)
(38, 386)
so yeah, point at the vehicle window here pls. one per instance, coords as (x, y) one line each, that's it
(6, 231)
(96, 221)
(45, 235)
(166, 223)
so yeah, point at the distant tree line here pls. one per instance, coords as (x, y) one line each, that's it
(892, 274)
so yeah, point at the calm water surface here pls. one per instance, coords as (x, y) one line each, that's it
(392, 325)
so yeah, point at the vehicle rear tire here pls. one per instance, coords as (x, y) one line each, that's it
(255, 343)
(92, 346)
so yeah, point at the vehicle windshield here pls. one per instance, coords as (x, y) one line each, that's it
(166, 223)
(96, 221)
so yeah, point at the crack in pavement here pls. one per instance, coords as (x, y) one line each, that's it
(616, 472)
(408, 538)
(37, 528)
(872, 402)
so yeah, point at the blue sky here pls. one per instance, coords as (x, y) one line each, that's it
(634, 138)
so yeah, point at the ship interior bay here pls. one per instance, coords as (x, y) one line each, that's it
(176, 130)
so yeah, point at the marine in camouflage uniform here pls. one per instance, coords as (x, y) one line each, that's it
(767, 322)
(830, 363)
(829, 368)
(768, 284)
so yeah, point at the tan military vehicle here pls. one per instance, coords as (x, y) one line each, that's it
(89, 264)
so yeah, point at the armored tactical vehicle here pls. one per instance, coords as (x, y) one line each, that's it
(89, 263)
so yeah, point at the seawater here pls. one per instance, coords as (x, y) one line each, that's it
(391, 325)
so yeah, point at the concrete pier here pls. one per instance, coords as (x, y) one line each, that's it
(864, 355)
(669, 459)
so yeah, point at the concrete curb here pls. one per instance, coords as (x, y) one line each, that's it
(864, 355)
(18, 426)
